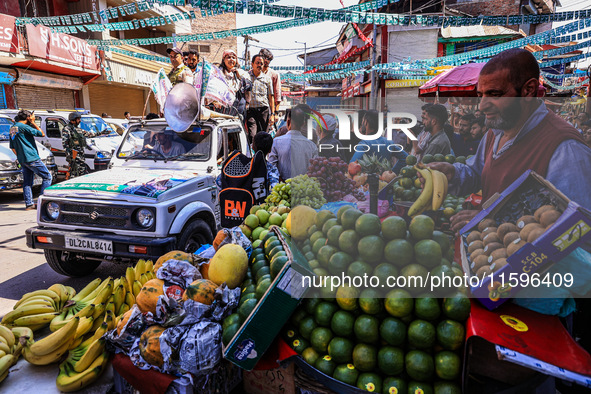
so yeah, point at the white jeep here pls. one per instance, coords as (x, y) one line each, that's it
(158, 194)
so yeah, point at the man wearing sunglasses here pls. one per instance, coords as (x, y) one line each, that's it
(179, 72)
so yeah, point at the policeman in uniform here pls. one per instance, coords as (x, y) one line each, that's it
(74, 142)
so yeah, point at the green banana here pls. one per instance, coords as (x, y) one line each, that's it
(68, 380)
(92, 352)
(89, 288)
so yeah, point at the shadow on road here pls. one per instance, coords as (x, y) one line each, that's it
(42, 276)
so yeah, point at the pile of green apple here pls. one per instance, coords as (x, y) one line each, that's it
(257, 223)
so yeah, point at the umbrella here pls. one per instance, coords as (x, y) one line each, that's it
(460, 81)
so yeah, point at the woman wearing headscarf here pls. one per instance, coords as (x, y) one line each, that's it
(237, 80)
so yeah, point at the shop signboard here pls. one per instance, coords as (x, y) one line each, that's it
(8, 34)
(404, 83)
(61, 48)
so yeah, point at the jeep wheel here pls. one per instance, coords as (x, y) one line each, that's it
(65, 264)
(195, 234)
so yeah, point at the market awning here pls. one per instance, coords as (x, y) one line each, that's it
(460, 81)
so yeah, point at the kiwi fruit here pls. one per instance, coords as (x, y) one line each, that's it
(524, 233)
(490, 238)
(505, 229)
(483, 271)
(549, 217)
(488, 249)
(497, 254)
(484, 223)
(474, 246)
(474, 236)
(541, 210)
(535, 234)
(498, 264)
(488, 230)
(515, 246)
(525, 220)
(479, 261)
(476, 253)
(510, 237)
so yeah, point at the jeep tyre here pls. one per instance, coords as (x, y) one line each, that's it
(65, 264)
(195, 234)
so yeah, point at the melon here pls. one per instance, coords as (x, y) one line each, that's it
(147, 299)
(228, 265)
(123, 321)
(299, 220)
(150, 345)
(173, 255)
(202, 290)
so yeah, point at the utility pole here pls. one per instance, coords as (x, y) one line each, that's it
(247, 38)
(374, 88)
(305, 63)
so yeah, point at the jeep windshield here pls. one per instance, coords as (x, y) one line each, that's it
(160, 142)
(5, 125)
(94, 124)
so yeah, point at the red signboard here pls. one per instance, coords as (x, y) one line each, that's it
(60, 47)
(8, 35)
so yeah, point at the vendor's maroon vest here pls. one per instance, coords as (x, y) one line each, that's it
(533, 151)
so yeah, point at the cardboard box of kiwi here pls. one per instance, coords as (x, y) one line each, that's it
(272, 311)
(530, 226)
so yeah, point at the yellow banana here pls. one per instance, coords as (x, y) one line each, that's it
(124, 282)
(26, 310)
(116, 282)
(424, 200)
(8, 335)
(6, 362)
(56, 339)
(129, 299)
(48, 293)
(137, 287)
(96, 322)
(59, 321)
(35, 320)
(99, 309)
(71, 292)
(110, 320)
(143, 279)
(3, 376)
(60, 290)
(36, 327)
(140, 268)
(149, 275)
(40, 302)
(89, 288)
(4, 347)
(88, 310)
(104, 295)
(22, 332)
(90, 297)
(119, 297)
(93, 351)
(84, 326)
(46, 359)
(130, 276)
(438, 189)
(150, 266)
(2, 353)
(68, 380)
(102, 330)
(75, 343)
(110, 307)
(124, 308)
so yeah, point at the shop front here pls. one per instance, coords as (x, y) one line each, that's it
(124, 86)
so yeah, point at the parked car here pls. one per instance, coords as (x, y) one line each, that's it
(11, 175)
(145, 204)
(100, 149)
(119, 125)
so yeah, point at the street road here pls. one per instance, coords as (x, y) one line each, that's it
(22, 269)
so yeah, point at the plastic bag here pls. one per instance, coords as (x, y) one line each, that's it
(335, 206)
(383, 207)
(235, 236)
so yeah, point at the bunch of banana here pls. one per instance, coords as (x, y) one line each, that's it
(38, 308)
(53, 347)
(434, 191)
(83, 305)
(137, 276)
(86, 361)
(10, 351)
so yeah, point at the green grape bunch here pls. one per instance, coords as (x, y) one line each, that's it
(306, 191)
(280, 195)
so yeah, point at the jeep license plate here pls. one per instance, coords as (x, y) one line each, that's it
(89, 244)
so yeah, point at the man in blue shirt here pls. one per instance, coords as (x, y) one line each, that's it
(22, 143)
(380, 145)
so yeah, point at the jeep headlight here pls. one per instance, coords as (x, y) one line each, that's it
(50, 160)
(145, 217)
(8, 165)
(53, 210)
(103, 155)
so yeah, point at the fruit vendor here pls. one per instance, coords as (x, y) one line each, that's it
(525, 135)
(378, 146)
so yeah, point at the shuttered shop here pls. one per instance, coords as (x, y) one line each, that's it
(36, 97)
(115, 100)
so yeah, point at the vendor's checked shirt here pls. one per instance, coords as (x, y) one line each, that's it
(261, 90)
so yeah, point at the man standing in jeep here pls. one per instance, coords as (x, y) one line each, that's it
(74, 142)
